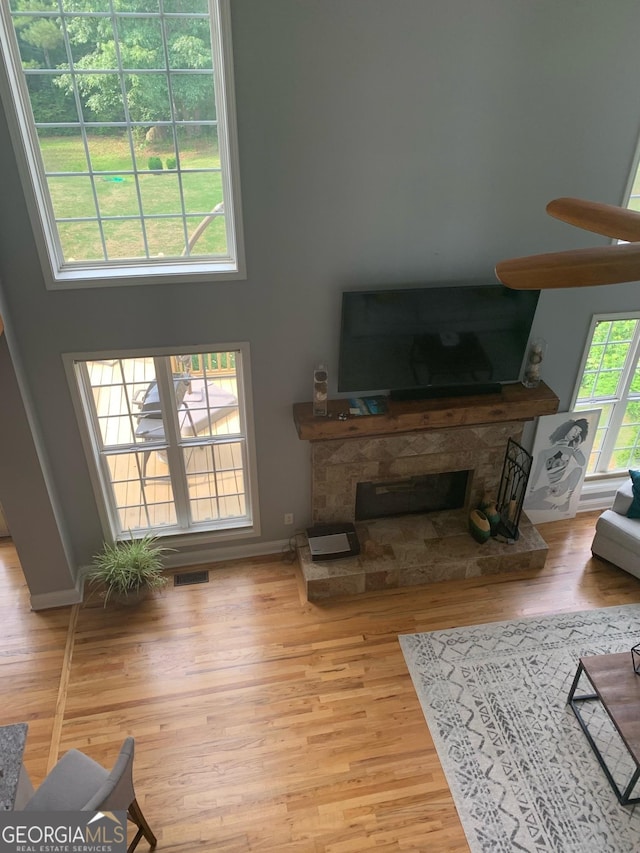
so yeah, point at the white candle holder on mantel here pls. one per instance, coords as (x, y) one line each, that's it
(535, 357)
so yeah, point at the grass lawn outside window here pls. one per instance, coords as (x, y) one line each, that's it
(122, 117)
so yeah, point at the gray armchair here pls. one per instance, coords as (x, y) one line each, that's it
(78, 783)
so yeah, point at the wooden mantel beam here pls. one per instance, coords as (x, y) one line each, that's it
(513, 403)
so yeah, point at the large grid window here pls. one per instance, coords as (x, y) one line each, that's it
(124, 113)
(169, 440)
(610, 381)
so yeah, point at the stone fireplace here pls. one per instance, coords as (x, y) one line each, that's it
(337, 467)
(385, 451)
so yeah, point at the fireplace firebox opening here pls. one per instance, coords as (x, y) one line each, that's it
(419, 494)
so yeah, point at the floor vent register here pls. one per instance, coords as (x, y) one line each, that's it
(187, 578)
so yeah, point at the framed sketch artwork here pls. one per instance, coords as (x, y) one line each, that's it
(560, 453)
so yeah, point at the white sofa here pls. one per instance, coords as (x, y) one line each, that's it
(617, 537)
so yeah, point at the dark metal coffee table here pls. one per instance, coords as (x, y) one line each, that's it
(617, 688)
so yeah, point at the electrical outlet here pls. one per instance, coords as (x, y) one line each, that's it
(288, 518)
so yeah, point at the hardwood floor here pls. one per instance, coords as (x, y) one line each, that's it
(263, 722)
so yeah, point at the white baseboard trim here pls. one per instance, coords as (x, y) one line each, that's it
(183, 559)
(59, 598)
(212, 554)
(599, 494)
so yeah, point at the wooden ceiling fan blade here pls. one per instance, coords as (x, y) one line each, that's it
(606, 219)
(579, 268)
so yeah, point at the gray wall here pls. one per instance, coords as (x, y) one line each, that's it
(380, 143)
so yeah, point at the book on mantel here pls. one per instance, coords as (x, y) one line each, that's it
(376, 405)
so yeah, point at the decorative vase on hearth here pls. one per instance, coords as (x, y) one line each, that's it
(490, 509)
(479, 525)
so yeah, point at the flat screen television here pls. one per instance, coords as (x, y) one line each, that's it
(435, 341)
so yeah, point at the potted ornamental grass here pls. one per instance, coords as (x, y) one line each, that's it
(126, 571)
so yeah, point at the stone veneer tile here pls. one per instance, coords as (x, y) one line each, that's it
(450, 523)
(332, 587)
(418, 575)
(379, 580)
(513, 563)
(461, 460)
(320, 569)
(389, 530)
(424, 442)
(338, 465)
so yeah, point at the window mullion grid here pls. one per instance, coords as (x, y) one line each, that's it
(212, 443)
(135, 447)
(634, 449)
(83, 134)
(127, 116)
(132, 449)
(215, 497)
(239, 374)
(220, 70)
(29, 135)
(175, 452)
(106, 452)
(248, 509)
(174, 132)
(48, 13)
(242, 417)
(612, 429)
(619, 404)
(95, 437)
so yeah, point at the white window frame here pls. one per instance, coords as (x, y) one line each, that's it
(58, 275)
(629, 195)
(618, 403)
(102, 485)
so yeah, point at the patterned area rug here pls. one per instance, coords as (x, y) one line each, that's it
(522, 774)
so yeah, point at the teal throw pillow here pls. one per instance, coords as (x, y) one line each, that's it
(634, 509)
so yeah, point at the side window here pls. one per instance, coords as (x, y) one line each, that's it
(610, 380)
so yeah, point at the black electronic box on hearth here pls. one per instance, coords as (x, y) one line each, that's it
(332, 541)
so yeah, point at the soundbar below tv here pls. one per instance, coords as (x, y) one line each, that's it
(423, 342)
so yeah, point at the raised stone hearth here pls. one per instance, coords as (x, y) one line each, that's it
(411, 440)
(418, 549)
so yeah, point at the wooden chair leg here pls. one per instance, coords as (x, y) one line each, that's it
(134, 843)
(135, 815)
